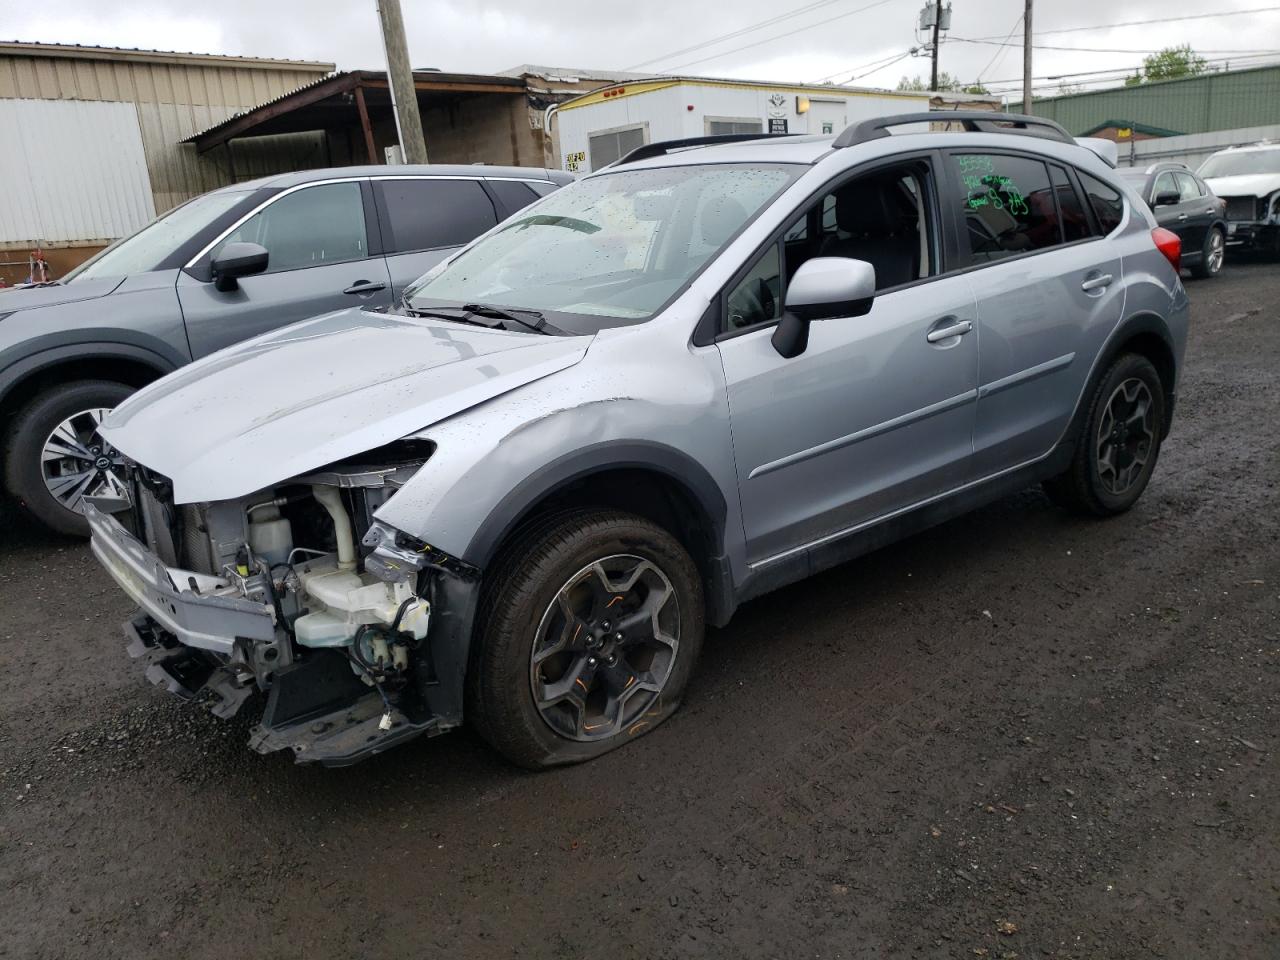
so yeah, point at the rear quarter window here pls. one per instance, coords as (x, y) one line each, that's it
(1106, 202)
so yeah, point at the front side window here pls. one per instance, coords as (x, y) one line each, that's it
(427, 214)
(880, 218)
(308, 228)
(1188, 189)
(1164, 184)
(613, 247)
(1007, 204)
(1107, 204)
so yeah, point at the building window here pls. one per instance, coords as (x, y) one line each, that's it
(725, 126)
(609, 145)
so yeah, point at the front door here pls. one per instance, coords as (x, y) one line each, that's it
(318, 247)
(877, 413)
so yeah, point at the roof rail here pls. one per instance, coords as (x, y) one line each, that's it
(662, 147)
(974, 121)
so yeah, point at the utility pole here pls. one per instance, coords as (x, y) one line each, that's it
(1026, 61)
(937, 25)
(404, 95)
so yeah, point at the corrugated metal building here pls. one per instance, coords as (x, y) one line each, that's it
(1226, 100)
(166, 97)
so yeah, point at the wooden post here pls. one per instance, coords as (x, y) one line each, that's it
(364, 125)
(404, 95)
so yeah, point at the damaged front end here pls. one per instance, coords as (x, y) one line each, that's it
(356, 632)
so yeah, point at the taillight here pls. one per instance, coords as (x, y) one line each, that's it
(1170, 244)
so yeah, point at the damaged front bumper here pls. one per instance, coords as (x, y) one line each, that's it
(196, 636)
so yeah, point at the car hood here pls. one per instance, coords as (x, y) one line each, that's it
(319, 391)
(1246, 185)
(56, 293)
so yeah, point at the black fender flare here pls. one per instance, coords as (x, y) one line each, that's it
(673, 464)
(1132, 326)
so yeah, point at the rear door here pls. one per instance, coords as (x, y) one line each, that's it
(424, 219)
(1195, 212)
(318, 238)
(1044, 278)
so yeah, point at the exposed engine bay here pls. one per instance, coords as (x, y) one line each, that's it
(300, 593)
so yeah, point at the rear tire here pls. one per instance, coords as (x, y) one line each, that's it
(531, 693)
(1212, 255)
(1119, 444)
(33, 429)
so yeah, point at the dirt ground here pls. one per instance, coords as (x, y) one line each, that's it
(1019, 734)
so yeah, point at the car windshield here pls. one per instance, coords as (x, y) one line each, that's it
(148, 248)
(1241, 163)
(611, 249)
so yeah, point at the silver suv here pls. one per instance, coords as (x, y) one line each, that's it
(695, 376)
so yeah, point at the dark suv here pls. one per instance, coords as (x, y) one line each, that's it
(226, 266)
(1185, 204)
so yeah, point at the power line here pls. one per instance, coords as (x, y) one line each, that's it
(736, 33)
(1142, 23)
(780, 36)
(1113, 74)
(878, 64)
(1005, 44)
(1046, 46)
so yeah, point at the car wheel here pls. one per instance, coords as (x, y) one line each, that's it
(55, 456)
(589, 627)
(1119, 444)
(1212, 256)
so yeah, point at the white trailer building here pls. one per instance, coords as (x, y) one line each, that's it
(599, 127)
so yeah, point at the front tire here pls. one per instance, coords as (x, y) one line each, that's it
(1212, 255)
(55, 457)
(1119, 444)
(589, 628)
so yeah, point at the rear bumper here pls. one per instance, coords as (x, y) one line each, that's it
(202, 614)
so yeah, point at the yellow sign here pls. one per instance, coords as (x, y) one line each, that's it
(1124, 133)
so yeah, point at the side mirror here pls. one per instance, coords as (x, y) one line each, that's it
(822, 288)
(237, 260)
(1168, 198)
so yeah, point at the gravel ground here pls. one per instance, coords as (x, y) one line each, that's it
(1016, 735)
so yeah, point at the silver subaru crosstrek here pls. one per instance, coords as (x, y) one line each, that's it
(706, 371)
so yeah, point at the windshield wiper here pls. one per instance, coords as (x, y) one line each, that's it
(539, 324)
(457, 316)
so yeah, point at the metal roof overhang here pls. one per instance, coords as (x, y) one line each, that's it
(343, 99)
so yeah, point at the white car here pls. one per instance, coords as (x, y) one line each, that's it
(1248, 178)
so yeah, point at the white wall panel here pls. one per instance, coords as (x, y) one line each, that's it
(71, 170)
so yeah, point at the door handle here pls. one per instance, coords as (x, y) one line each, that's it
(1096, 283)
(366, 286)
(1182, 216)
(946, 333)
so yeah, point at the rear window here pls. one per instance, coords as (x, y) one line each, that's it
(1007, 204)
(424, 214)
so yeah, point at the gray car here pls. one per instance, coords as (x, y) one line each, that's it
(223, 267)
(702, 373)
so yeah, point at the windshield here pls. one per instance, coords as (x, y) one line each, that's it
(615, 247)
(1241, 163)
(148, 248)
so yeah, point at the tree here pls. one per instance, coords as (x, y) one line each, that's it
(1169, 64)
(946, 84)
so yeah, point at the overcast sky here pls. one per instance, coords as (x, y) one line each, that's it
(493, 35)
